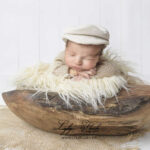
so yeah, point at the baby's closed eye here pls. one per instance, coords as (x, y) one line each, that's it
(91, 58)
(72, 54)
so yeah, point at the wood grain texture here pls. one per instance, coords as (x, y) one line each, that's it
(129, 114)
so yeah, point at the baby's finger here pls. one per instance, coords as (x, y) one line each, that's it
(92, 72)
(85, 75)
(93, 69)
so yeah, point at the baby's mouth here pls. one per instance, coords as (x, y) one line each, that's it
(77, 68)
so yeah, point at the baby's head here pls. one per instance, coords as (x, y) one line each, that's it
(81, 56)
(84, 45)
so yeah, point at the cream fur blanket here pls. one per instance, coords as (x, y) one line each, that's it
(93, 91)
(15, 134)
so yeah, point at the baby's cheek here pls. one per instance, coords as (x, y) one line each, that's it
(68, 61)
(89, 64)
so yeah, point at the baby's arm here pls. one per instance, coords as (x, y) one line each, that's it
(82, 74)
(107, 69)
(59, 67)
(88, 74)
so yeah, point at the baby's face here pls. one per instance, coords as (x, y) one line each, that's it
(82, 57)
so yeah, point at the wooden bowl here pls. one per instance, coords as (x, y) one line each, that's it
(131, 113)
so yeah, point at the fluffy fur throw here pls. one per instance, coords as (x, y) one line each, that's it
(93, 91)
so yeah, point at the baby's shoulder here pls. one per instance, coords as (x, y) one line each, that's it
(108, 66)
(105, 63)
(60, 56)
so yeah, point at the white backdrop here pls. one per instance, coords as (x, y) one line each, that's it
(30, 31)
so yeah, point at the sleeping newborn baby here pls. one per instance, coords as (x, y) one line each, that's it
(82, 57)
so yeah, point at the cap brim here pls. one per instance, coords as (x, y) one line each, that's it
(84, 39)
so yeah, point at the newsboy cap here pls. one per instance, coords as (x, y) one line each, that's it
(87, 34)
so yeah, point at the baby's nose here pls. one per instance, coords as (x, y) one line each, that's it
(78, 61)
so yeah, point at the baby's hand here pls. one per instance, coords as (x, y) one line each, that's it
(92, 71)
(78, 75)
(87, 74)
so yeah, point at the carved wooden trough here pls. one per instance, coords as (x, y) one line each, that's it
(131, 113)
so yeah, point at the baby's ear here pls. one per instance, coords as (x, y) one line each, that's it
(67, 44)
(104, 46)
(102, 49)
(101, 52)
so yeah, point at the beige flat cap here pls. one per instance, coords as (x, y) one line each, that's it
(87, 34)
